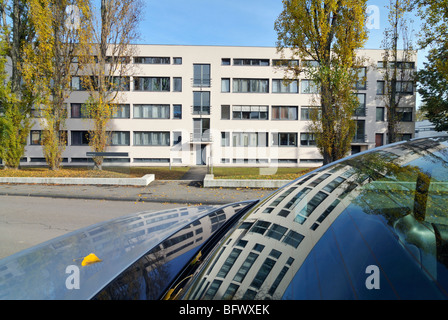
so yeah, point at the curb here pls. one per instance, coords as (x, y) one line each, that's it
(125, 199)
(140, 182)
(210, 182)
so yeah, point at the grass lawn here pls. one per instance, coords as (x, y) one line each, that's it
(161, 173)
(254, 173)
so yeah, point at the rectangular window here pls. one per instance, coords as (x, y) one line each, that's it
(225, 85)
(309, 87)
(201, 75)
(279, 86)
(260, 227)
(77, 84)
(177, 137)
(287, 139)
(284, 63)
(334, 184)
(307, 139)
(119, 138)
(402, 87)
(152, 84)
(310, 64)
(284, 113)
(380, 87)
(151, 111)
(177, 111)
(201, 102)
(117, 59)
(151, 138)
(380, 114)
(308, 113)
(225, 61)
(245, 267)
(77, 111)
(400, 64)
(121, 111)
(152, 60)
(250, 139)
(251, 62)
(263, 273)
(293, 238)
(177, 60)
(360, 135)
(405, 87)
(250, 112)
(230, 261)
(276, 231)
(177, 84)
(80, 138)
(251, 85)
(212, 290)
(361, 110)
(230, 292)
(225, 139)
(404, 114)
(361, 83)
(120, 84)
(225, 112)
(36, 137)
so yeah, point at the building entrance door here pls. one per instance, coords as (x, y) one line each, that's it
(201, 154)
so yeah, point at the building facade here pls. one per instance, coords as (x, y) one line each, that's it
(221, 106)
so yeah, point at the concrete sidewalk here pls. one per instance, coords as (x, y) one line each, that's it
(161, 191)
(196, 173)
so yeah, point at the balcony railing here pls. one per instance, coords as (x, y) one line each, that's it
(360, 112)
(201, 110)
(201, 82)
(360, 138)
(200, 137)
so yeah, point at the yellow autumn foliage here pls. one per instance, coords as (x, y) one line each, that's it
(90, 259)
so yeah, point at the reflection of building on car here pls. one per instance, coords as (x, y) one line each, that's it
(315, 238)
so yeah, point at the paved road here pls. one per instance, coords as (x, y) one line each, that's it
(28, 221)
(157, 191)
(32, 214)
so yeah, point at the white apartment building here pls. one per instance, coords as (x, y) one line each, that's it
(221, 106)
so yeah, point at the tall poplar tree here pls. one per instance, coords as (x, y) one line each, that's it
(48, 67)
(105, 65)
(328, 32)
(398, 74)
(15, 100)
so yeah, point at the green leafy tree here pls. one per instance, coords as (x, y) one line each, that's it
(433, 87)
(15, 99)
(48, 68)
(328, 32)
(105, 64)
(396, 70)
(14, 126)
(433, 77)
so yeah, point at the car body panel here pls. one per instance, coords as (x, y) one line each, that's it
(371, 226)
(52, 269)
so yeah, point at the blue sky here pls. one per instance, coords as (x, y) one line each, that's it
(223, 22)
(231, 23)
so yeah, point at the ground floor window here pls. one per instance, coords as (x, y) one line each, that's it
(151, 138)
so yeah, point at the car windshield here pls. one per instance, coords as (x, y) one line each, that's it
(321, 236)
